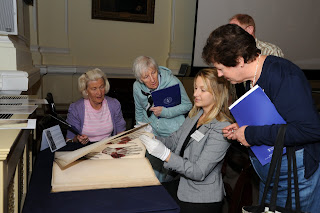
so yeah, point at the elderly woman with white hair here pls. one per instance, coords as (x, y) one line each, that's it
(164, 121)
(95, 116)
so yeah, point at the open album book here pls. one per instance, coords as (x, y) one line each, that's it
(115, 162)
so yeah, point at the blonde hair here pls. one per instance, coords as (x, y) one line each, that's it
(221, 90)
(92, 75)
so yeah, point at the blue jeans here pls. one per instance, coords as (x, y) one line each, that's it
(309, 189)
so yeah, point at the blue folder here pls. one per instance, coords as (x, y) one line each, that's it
(255, 108)
(167, 97)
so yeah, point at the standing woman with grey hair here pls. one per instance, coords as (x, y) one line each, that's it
(95, 116)
(164, 121)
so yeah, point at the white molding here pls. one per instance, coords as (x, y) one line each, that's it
(54, 50)
(34, 48)
(186, 56)
(68, 70)
(111, 72)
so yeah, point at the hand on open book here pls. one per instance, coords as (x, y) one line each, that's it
(155, 147)
(82, 139)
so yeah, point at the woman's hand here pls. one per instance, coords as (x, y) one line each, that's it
(83, 139)
(156, 110)
(229, 130)
(233, 132)
(156, 148)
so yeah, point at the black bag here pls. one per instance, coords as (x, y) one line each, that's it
(276, 164)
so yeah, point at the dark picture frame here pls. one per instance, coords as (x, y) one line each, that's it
(124, 10)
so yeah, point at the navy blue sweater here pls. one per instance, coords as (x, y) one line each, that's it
(289, 90)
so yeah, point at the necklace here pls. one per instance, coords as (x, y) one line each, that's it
(255, 74)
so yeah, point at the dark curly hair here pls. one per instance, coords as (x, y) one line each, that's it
(227, 43)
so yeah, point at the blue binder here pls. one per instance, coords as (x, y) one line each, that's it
(167, 97)
(255, 108)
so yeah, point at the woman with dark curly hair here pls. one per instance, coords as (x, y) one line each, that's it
(233, 52)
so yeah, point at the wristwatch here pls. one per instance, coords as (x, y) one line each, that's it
(70, 140)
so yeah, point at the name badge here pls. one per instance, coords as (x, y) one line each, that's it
(197, 135)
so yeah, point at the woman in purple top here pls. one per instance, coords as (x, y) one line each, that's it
(94, 108)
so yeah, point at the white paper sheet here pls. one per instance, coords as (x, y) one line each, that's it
(53, 138)
(18, 123)
(14, 109)
(23, 101)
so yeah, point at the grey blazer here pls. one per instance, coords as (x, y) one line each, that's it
(200, 167)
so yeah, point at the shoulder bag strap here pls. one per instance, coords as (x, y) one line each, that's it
(275, 162)
(292, 157)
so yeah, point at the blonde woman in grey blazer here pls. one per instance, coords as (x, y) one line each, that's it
(194, 154)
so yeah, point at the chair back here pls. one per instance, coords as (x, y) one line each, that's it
(51, 106)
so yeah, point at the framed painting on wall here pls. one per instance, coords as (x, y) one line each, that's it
(124, 10)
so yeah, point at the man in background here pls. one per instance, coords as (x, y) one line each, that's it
(246, 22)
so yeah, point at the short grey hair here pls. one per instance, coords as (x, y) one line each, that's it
(92, 75)
(141, 64)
